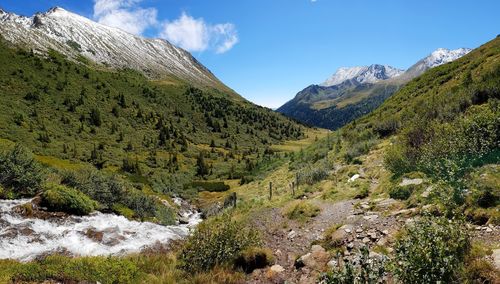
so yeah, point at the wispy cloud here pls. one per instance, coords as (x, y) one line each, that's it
(197, 35)
(125, 14)
(192, 34)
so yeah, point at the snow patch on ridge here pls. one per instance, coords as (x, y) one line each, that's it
(74, 35)
(363, 74)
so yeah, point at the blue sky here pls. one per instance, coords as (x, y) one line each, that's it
(268, 50)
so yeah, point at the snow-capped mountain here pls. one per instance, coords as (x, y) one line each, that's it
(438, 57)
(363, 74)
(355, 91)
(74, 35)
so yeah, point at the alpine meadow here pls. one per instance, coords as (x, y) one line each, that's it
(134, 148)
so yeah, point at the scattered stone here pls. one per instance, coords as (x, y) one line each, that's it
(292, 234)
(332, 264)
(370, 217)
(347, 228)
(427, 191)
(353, 178)
(489, 230)
(277, 268)
(496, 258)
(405, 212)
(385, 232)
(407, 181)
(366, 240)
(373, 236)
(94, 235)
(359, 230)
(315, 260)
(278, 252)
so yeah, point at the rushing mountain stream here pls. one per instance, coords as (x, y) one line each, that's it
(24, 238)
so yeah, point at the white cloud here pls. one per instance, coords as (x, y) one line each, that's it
(224, 37)
(187, 32)
(197, 35)
(125, 14)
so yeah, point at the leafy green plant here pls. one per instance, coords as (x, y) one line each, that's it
(20, 173)
(64, 199)
(218, 241)
(104, 189)
(401, 192)
(365, 271)
(431, 250)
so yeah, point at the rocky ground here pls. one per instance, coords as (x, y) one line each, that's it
(301, 249)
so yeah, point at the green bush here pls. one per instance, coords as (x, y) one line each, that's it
(486, 197)
(218, 241)
(314, 173)
(143, 205)
(63, 269)
(20, 173)
(254, 258)
(106, 190)
(165, 215)
(64, 199)
(431, 250)
(367, 270)
(401, 192)
(213, 186)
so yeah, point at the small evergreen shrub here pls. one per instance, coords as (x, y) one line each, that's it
(401, 192)
(218, 241)
(20, 173)
(106, 190)
(64, 199)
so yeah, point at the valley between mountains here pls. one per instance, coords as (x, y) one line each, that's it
(124, 160)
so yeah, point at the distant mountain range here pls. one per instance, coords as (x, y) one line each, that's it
(355, 91)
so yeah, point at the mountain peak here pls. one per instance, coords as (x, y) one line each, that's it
(75, 35)
(363, 74)
(55, 9)
(443, 55)
(438, 57)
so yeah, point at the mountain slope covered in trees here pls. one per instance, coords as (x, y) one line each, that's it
(123, 122)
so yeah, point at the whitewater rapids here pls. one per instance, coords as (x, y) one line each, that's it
(97, 234)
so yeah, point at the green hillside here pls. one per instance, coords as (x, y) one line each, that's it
(447, 120)
(334, 107)
(161, 134)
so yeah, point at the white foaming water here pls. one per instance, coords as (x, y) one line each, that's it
(97, 234)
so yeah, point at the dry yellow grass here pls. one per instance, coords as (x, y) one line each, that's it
(60, 163)
(312, 134)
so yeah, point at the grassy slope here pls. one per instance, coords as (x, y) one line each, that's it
(65, 111)
(361, 147)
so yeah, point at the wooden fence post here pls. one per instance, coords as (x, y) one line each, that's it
(293, 188)
(270, 190)
(297, 181)
(234, 199)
